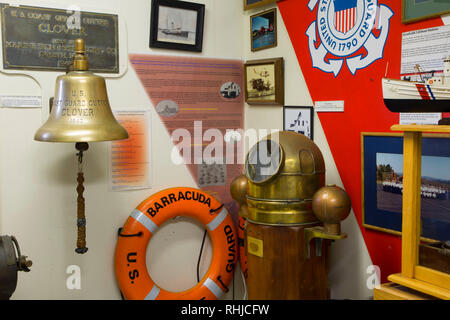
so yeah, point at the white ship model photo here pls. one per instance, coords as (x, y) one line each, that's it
(430, 95)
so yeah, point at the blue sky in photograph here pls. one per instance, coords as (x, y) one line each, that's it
(259, 22)
(433, 167)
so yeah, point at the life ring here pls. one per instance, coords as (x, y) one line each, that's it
(130, 262)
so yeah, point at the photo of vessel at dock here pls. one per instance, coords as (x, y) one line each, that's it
(435, 188)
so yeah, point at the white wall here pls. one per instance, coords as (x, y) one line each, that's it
(38, 180)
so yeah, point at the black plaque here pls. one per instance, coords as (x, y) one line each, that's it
(44, 38)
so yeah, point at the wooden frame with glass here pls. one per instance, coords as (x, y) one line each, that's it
(264, 81)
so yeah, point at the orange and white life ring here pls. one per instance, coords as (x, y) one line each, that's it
(130, 261)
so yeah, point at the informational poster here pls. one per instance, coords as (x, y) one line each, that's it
(424, 50)
(200, 101)
(130, 160)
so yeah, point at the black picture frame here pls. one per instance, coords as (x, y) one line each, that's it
(266, 35)
(381, 186)
(176, 33)
(292, 121)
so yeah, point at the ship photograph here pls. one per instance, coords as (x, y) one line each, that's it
(177, 25)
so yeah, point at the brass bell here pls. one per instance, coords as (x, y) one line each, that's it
(81, 113)
(81, 110)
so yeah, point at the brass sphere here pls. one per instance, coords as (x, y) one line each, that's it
(331, 205)
(238, 189)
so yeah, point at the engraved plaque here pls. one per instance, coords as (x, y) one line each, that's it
(44, 39)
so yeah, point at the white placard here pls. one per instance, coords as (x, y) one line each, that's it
(420, 118)
(329, 106)
(426, 48)
(20, 101)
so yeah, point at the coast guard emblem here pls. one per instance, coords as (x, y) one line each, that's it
(352, 30)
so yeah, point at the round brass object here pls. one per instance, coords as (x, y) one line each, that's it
(331, 204)
(81, 110)
(239, 189)
(280, 191)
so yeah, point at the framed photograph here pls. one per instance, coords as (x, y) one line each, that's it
(299, 119)
(382, 184)
(264, 81)
(416, 10)
(263, 30)
(250, 4)
(177, 25)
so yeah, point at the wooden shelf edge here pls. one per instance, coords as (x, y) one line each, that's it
(421, 286)
(390, 291)
(421, 128)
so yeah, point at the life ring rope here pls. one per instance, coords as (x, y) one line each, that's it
(130, 263)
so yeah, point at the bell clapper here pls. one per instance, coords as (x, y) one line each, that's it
(81, 217)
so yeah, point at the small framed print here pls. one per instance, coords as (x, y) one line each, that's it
(263, 30)
(177, 25)
(264, 81)
(250, 4)
(299, 119)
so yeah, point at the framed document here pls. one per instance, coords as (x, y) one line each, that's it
(177, 25)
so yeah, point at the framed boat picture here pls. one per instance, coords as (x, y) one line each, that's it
(382, 184)
(250, 4)
(264, 81)
(263, 30)
(299, 119)
(416, 10)
(177, 25)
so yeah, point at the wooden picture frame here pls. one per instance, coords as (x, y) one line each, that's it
(264, 81)
(299, 119)
(263, 30)
(250, 4)
(177, 25)
(416, 10)
(382, 185)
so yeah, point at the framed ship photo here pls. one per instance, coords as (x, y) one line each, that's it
(177, 25)
(264, 81)
(382, 184)
(250, 4)
(299, 119)
(263, 30)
